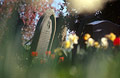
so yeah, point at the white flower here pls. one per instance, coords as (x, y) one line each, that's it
(90, 42)
(73, 38)
(104, 42)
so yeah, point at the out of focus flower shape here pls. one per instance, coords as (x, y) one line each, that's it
(111, 36)
(86, 36)
(90, 42)
(73, 38)
(116, 42)
(48, 53)
(34, 54)
(68, 44)
(104, 42)
(96, 44)
(58, 51)
(61, 59)
(53, 56)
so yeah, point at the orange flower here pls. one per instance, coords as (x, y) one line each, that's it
(86, 36)
(48, 53)
(61, 59)
(34, 54)
(96, 44)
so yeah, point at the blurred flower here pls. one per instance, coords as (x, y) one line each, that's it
(96, 44)
(48, 53)
(59, 51)
(73, 38)
(90, 42)
(86, 36)
(67, 44)
(104, 42)
(61, 59)
(53, 56)
(34, 54)
(111, 36)
(116, 42)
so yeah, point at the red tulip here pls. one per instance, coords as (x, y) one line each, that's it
(61, 59)
(48, 52)
(34, 54)
(116, 42)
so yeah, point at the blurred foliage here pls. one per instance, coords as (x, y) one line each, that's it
(89, 63)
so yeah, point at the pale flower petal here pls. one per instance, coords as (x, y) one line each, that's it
(104, 42)
(90, 42)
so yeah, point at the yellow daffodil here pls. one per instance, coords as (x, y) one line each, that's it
(96, 44)
(111, 36)
(67, 44)
(86, 36)
(104, 42)
(73, 38)
(90, 42)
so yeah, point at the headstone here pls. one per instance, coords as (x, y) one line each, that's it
(44, 33)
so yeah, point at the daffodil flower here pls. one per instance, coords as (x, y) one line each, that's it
(104, 42)
(86, 36)
(90, 42)
(111, 36)
(73, 38)
(96, 44)
(67, 44)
